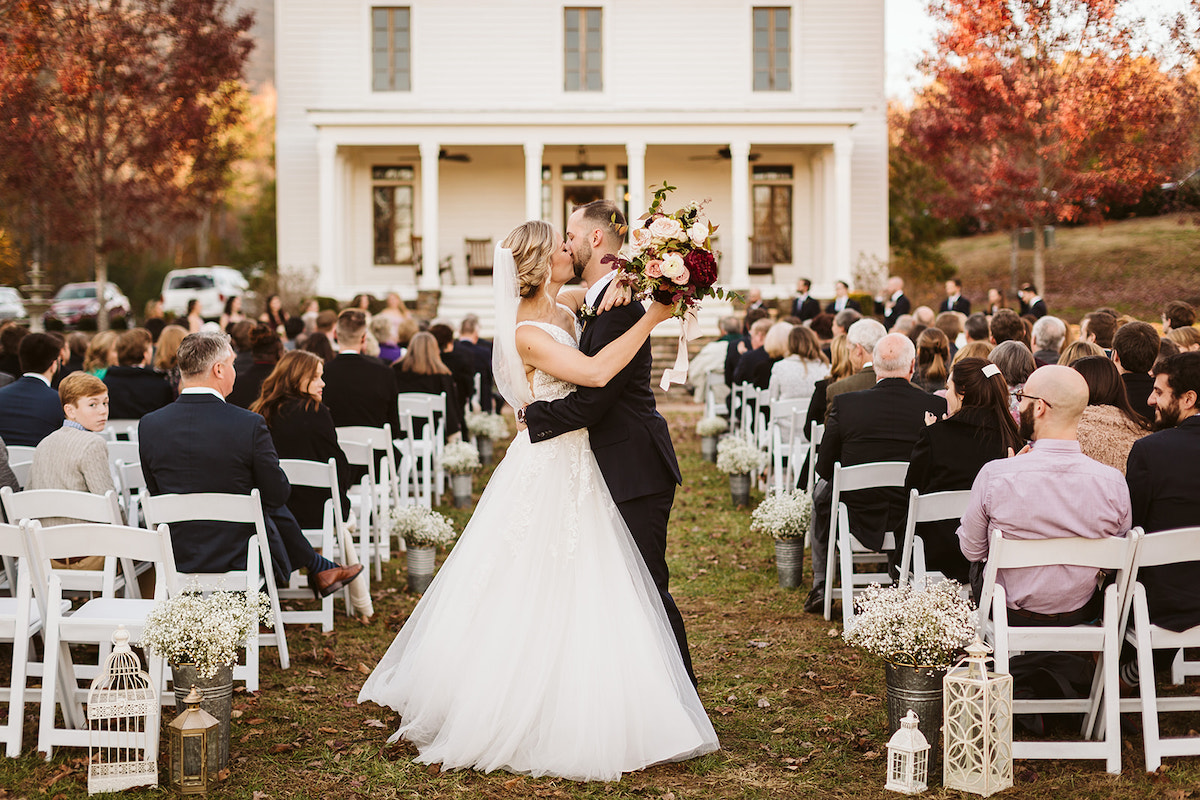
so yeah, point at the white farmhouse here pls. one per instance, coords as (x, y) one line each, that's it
(412, 138)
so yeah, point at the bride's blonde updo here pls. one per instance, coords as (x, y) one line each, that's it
(532, 244)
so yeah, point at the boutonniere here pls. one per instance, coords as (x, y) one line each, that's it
(585, 313)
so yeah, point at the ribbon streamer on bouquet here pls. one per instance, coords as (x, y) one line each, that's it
(689, 329)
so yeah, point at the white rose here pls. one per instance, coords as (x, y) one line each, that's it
(699, 233)
(640, 238)
(666, 228)
(672, 265)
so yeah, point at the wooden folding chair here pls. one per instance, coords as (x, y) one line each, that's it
(844, 547)
(235, 508)
(94, 622)
(932, 507)
(1107, 553)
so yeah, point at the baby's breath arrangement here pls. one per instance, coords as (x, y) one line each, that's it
(738, 456)
(784, 515)
(422, 527)
(191, 628)
(486, 424)
(460, 457)
(711, 426)
(916, 627)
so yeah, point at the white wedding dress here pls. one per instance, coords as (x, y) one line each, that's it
(542, 647)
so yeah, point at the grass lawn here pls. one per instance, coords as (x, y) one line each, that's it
(798, 713)
(1135, 266)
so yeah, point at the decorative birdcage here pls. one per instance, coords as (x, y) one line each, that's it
(123, 719)
(908, 758)
(978, 726)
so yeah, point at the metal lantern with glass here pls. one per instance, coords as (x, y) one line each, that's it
(908, 758)
(193, 747)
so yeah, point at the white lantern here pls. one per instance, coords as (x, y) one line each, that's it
(123, 718)
(908, 758)
(977, 726)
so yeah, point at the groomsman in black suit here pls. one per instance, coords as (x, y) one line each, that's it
(29, 409)
(479, 352)
(954, 298)
(894, 303)
(1031, 301)
(200, 443)
(842, 299)
(804, 306)
(630, 439)
(359, 390)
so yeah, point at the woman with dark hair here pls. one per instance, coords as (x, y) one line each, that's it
(265, 348)
(422, 370)
(193, 321)
(1109, 425)
(232, 313)
(950, 452)
(302, 427)
(274, 315)
(319, 345)
(933, 360)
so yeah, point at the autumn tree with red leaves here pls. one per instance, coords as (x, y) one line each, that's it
(1044, 111)
(114, 115)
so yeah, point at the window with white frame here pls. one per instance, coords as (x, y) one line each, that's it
(771, 190)
(391, 51)
(772, 49)
(392, 203)
(581, 49)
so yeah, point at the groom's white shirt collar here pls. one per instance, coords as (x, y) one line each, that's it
(597, 289)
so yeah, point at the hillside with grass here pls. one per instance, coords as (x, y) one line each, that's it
(1134, 266)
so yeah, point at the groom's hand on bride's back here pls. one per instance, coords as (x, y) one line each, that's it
(521, 418)
(617, 293)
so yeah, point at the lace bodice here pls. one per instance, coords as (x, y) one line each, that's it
(544, 385)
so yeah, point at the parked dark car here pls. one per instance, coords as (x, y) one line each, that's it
(76, 304)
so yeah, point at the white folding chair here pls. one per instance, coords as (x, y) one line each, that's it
(1159, 549)
(716, 391)
(739, 407)
(121, 430)
(21, 470)
(327, 538)
(786, 429)
(20, 452)
(385, 491)
(844, 547)
(932, 507)
(131, 482)
(234, 508)
(424, 453)
(123, 450)
(814, 441)
(19, 620)
(94, 622)
(1105, 553)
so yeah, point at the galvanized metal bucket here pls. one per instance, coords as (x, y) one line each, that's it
(218, 699)
(486, 451)
(708, 448)
(918, 688)
(461, 484)
(789, 561)
(420, 567)
(739, 488)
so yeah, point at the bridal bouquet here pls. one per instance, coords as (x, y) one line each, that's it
(669, 257)
(190, 628)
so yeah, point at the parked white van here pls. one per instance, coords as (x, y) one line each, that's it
(212, 286)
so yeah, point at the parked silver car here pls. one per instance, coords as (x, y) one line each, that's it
(12, 306)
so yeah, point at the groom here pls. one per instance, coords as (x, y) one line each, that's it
(630, 439)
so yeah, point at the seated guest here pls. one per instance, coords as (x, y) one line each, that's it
(293, 332)
(1164, 487)
(1052, 491)
(861, 341)
(975, 349)
(796, 375)
(29, 409)
(265, 350)
(949, 453)
(479, 352)
(933, 360)
(239, 333)
(775, 346)
(840, 367)
(881, 423)
(1016, 364)
(134, 389)
(977, 329)
(1135, 349)
(319, 345)
(1079, 349)
(951, 324)
(843, 320)
(422, 370)
(11, 335)
(1178, 314)
(303, 428)
(101, 354)
(384, 329)
(165, 355)
(77, 345)
(1098, 328)
(460, 364)
(1048, 336)
(359, 390)
(749, 364)
(7, 476)
(75, 457)
(1188, 339)
(1007, 326)
(233, 454)
(1109, 425)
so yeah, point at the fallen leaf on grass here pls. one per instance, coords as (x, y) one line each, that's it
(259, 796)
(759, 644)
(870, 755)
(254, 732)
(63, 772)
(235, 714)
(668, 796)
(276, 749)
(764, 702)
(316, 673)
(778, 730)
(306, 689)
(833, 633)
(374, 723)
(223, 775)
(731, 698)
(725, 711)
(860, 695)
(508, 784)
(434, 769)
(327, 730)
(256, 721)
(364, 669)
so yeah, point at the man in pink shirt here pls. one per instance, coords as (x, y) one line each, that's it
(1051, 490)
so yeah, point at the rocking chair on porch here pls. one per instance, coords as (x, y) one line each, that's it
(762, 257)
(479, 259)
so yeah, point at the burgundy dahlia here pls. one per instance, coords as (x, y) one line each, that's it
(702, 266)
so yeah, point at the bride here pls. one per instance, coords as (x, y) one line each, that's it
(542, 646)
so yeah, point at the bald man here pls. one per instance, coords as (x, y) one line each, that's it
(1049, 491)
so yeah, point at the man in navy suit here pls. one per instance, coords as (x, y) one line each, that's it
(630, 439)
(805, 306)
(200, 443)
(29, 409)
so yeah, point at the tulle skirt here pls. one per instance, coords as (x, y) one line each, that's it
(542, 647)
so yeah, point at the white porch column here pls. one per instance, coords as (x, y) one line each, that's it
(329, 186)
(737, 246)
(635, 158)
(430, 252)
(533, 180)
(838, 211)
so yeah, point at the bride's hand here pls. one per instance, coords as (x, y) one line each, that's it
(617, 294)
(660, 312)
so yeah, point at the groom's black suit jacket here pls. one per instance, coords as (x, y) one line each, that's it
(621, 417)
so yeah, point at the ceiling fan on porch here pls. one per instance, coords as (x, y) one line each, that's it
(723, 154)
(446, 155)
